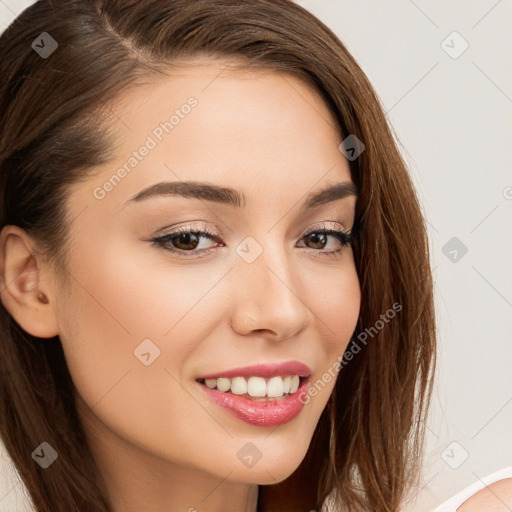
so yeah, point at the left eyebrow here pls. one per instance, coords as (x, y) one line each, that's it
(331, 193)
(231, 197)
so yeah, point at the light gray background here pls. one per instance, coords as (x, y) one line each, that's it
(452, 117)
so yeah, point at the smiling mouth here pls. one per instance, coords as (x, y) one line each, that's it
(263, 410)
(256, 388)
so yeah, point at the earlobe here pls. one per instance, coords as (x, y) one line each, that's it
(25, 288)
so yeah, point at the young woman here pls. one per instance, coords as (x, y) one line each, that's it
(215, 281)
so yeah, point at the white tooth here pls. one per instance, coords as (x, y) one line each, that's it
(238, 385)
(211, 383)
(223, 384)
(256, 386)
(275, 387)
(286, 384)
(294, 384)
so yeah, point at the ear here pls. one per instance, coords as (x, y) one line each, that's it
(26, 286)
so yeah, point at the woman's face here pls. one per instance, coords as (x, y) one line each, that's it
(141, 324)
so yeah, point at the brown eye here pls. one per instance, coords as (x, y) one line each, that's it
(185, 241)
(318, 239)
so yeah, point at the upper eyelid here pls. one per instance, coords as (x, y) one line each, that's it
(203, 228)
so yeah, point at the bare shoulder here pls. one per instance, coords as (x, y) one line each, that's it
(496, 497)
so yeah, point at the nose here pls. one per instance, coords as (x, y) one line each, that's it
(268, 298)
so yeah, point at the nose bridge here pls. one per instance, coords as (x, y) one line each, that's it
(266, 292)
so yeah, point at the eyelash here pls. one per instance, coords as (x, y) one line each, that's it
(346, 238)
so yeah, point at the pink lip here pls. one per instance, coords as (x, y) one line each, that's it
(264, 370)
(257, 412)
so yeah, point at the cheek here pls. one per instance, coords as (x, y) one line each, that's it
(118, 312)
(336, 301)
(118, 302)
(132, 322)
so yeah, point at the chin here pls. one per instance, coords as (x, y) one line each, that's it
(273, 470)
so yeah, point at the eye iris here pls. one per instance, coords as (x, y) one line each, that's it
(184, 238)
(315, 237)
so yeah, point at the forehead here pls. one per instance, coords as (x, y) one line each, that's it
(227, 97)
(247, 129)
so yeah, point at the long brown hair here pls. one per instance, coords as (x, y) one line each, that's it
(53, 131)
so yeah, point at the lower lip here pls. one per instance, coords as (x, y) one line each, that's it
(258, 412)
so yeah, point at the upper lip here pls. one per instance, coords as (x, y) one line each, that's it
(264, 370)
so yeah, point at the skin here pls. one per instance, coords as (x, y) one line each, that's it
(496, 497)
(159, 442)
